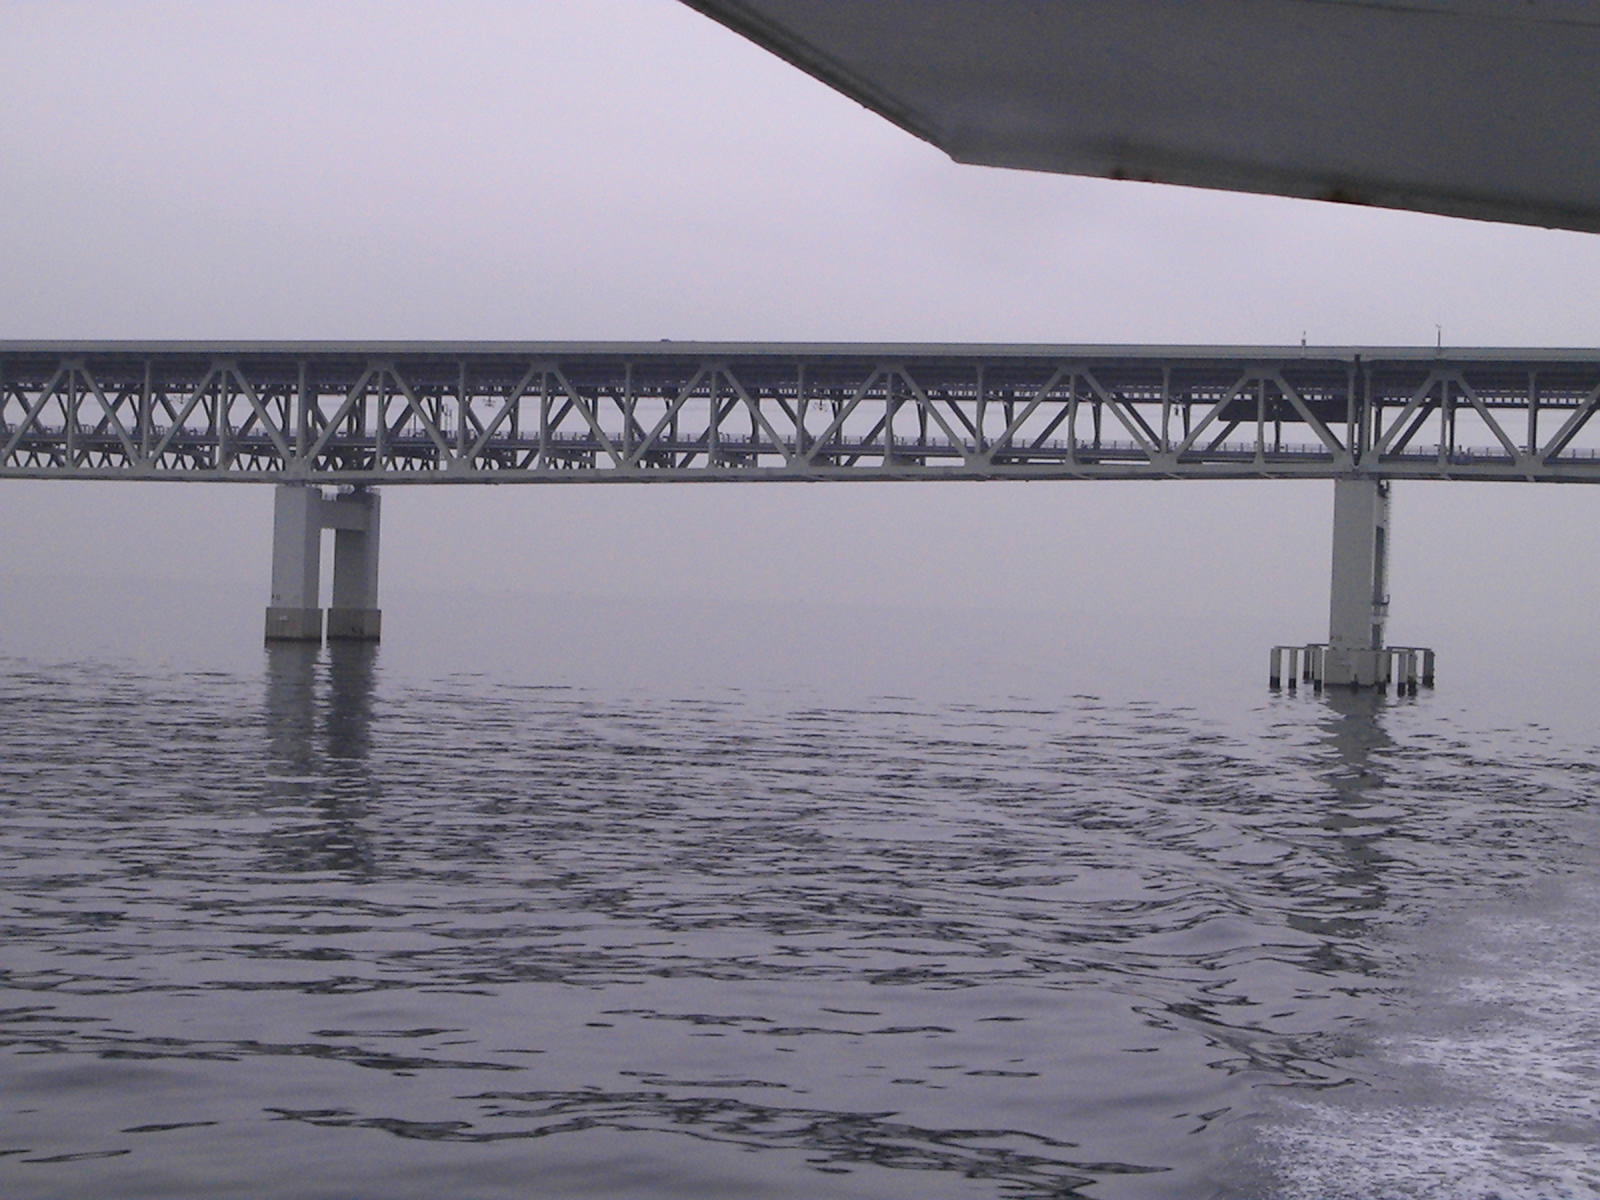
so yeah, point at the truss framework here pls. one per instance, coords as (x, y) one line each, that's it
(543, 412)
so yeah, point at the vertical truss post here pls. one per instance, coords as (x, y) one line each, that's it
(980, 436)
(1359, 600)
(1532, 446)
(1358, 413)
(219, 410)
(714, 428)
(146, 411)
(302, 414)
(353, 516)
(70, 408)
(294, 615)
(629, 400)
(802, 439)
(1166, 410)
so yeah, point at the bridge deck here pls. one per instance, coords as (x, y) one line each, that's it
(409, 412)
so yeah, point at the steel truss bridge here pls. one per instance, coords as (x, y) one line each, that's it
(393, 413)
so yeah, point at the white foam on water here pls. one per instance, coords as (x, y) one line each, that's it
(1487, 1088)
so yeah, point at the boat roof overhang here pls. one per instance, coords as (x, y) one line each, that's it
(1488, 109)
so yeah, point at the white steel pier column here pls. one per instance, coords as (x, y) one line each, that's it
(1359, 597)
(353, 517)
(294, 615)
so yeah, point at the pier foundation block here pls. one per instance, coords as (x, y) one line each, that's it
(294, 624)
(361, 624)
(1358, 607)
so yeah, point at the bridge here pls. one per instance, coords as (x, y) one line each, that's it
(355, 416)
(409, 413)
(1236, 95)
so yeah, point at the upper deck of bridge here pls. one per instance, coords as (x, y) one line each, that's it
(665, 349)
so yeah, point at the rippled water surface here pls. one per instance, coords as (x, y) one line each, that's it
(317, 931)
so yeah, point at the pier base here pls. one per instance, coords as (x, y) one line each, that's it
(1354, 655)
(294, 624)
(300, 514)
(1406, 667)
(361, 624)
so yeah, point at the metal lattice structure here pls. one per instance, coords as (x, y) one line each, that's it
(391, 413)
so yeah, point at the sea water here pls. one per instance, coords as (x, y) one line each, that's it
(325, 923)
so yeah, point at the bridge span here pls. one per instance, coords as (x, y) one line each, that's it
(406, 412)
(306, 415)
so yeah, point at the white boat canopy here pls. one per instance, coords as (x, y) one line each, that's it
(1472, 108)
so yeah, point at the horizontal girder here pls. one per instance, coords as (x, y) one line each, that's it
(571, 412)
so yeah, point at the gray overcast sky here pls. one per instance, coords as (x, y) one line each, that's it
(627, 169)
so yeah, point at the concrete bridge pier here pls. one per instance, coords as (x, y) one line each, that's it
(295, 614)
(1359, 597)
(300, 514)
(353, 516)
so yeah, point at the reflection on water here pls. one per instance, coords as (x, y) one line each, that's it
(1351, 724)
(291, 706)
(352, 672)
(462, 938)
(1359, 813)
(318, 718)
(319, 702)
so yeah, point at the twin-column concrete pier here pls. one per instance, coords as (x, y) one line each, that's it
(300, 514)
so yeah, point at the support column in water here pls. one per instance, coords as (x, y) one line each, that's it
(294, 614)
(353, 516)
(300, 514)
(1359, 597)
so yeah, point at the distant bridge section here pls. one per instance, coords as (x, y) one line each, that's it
(410, 413)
